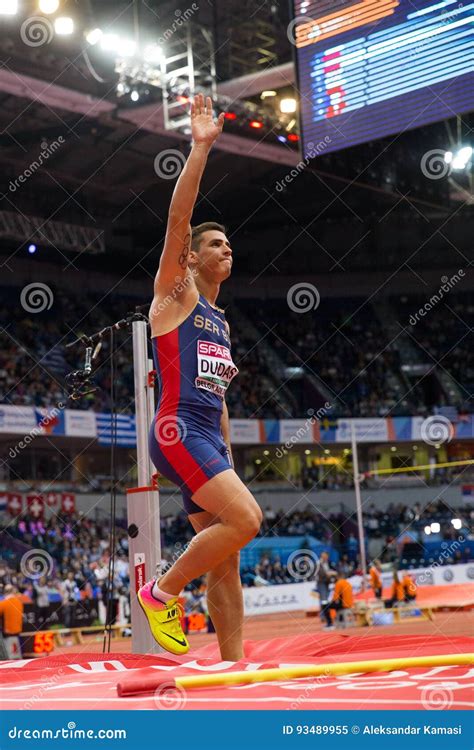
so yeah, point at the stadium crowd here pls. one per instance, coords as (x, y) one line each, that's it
(349, 353)
(71, 554)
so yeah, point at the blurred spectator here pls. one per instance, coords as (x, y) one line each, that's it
(342, 598)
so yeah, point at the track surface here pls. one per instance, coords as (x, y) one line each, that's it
(447, 623)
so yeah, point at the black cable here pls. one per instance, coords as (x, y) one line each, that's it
(113, 502)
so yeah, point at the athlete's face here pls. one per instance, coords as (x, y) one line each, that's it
(214, 257)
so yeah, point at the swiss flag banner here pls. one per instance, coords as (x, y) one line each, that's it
(35, 505)
(52, 499)
(14, 503)
(68, 502)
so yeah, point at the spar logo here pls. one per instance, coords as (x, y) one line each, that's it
(210, 349)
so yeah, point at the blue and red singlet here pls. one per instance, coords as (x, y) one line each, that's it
(194, 369)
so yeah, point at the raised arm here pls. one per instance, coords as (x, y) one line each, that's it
(174, 259)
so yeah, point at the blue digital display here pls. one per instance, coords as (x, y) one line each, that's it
(372, 68)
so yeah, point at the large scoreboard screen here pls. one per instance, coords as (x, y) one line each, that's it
(372, 68)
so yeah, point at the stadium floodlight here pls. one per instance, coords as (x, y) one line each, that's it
(110, 42)
(457, 523)
(287, 106)
(462, 158)
(127, 48)
(435, 527)
(8, 7)
(427, 530)
(64, 26)
(94, 36)
(48, 6)
(153, 54)
(120, 46)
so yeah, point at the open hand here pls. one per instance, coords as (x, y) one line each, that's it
(203, 127)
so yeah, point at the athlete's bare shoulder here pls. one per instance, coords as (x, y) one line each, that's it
(171, 306)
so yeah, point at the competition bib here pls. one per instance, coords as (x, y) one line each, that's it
(215, 367)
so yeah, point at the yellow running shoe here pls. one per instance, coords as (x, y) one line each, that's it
(164, 620)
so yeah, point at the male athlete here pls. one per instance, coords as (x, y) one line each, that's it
(190, 436)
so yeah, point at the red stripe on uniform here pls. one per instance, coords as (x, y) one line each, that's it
(169, 359)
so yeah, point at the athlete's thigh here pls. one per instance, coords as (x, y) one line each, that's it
(226, 496)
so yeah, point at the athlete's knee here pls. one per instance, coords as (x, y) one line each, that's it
(248, 522)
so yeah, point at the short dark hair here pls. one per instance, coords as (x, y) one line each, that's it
(198, 231)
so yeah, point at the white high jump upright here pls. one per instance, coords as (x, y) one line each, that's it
(360, 518)
(143, 509)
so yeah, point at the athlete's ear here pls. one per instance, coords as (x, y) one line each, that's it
(192, 258)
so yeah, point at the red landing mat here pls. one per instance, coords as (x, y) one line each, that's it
(89, 681)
